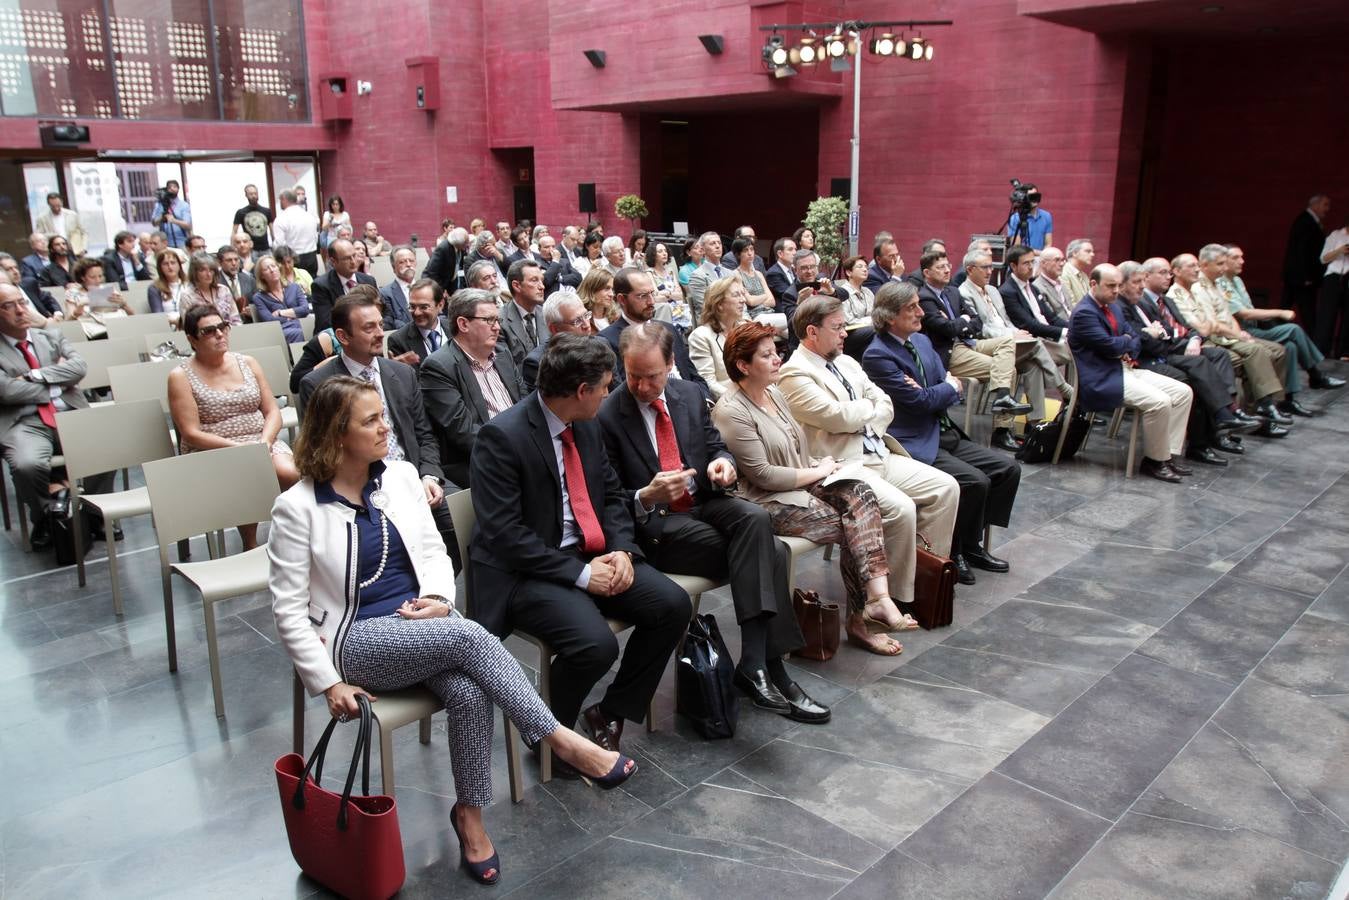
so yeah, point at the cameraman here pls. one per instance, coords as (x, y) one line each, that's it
(172, 215)
(1039, 223)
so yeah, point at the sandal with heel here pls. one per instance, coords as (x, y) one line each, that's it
(478, 870)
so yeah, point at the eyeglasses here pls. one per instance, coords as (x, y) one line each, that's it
(581, 321)
(490, 320)
(987, 266)
(645, 295)
(217, 328)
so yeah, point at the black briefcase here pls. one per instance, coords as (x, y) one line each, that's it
(704, 692)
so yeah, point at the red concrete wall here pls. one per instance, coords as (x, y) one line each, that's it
(1249, 136)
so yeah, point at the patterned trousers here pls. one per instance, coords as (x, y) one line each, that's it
(464, 665)
(844, 513)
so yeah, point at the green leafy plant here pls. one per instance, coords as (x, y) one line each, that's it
(827, 217)
(630, 207)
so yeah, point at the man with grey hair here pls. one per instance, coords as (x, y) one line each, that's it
(1302, 266)
(1035, 366)
(701, 278)
(1050, 282)
(446, 264)
(467, 381)
(1081, 259)
(484, 276)
(484, 247)
(564, 313)
(612, 250)
(395, 294)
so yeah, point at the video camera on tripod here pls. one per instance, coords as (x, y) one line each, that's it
(1024, 196)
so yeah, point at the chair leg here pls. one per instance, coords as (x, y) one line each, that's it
(1133, 444)
(386, 758)
(297, 716)
(213, 653)
(166, 584)
(1091, 423)
(424, 730)
(514, 744)
(78, 534)
(23, 528)
(184, 551)
(828, 552)
(4, 502)
(1116, 421)
(108, 527)
(988, 538)
(546, 695)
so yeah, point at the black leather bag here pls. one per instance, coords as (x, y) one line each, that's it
(1041, 439)
(63, 526)
(704, 693)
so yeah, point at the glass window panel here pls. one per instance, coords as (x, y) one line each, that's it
(262, 61)
(53, 61)
(163, 58)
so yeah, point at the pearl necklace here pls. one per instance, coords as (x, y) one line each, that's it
(379, 500)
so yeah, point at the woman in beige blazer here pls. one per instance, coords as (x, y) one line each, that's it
(776, 472)
(723, 309)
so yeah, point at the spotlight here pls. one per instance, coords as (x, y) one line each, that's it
(836, 45)
(775, 52)
(883, 45)
(902, 47)
(916, 48)
(809, 52)
(927, 53)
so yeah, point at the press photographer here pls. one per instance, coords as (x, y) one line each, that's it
(1038, 228)
(172, 215)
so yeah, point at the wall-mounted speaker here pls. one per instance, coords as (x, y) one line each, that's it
(585, 197)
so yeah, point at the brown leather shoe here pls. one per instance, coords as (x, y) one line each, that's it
(604, 731)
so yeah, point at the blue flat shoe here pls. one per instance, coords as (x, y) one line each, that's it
(478, 870)
(620, 773)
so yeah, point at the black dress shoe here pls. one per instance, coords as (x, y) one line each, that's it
(1162, 471)
(1003, 439)
(1269, 429)
(803, 708)
(1229, 445)
(1275, 416)
(963, 573)
(1292, 408)
(1206, 455)
(603, 730)
(1007, 405)
(756, 685)
(1242, 416)
(982, 559)
(40, 538)
(1237, 426)
(1322, 382)
(1180, 468)
(60, 503)
(117, 534)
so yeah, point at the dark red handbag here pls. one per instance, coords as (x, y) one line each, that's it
(350, 845)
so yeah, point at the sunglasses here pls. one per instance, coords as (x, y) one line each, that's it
(217, 328)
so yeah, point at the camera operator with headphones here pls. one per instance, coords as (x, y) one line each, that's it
(1038, 229)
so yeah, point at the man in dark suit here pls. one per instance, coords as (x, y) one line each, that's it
(885, 257)
(1028, 308)
(446, 264)
(565, 314)
(427, 332)
(635, 294)
(522, 325)
(44, 311)
(554, 552)
(340, 278)
(780, 275)
(557, 261)
(728, 260)
(241, 285)
(1302, 266)
(806, 269)
(674, 466)
(40, 372)
(1105, 348)
(468, 380)
(1207, 370)
(953, 326)
(902, 363)
(356, 322)
(121, 263)
(396, 294)
(34, 264)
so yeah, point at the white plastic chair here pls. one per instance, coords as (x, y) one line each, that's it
(102, 438)
(137, 326)
(98, 356)
(202, 493)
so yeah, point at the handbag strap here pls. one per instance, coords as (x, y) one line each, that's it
(927, 545)
(359, 753)
(315, 763)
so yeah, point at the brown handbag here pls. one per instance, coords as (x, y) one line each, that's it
(819, 624)
(934, 588)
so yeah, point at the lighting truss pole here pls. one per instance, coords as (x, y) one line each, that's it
(854, 31)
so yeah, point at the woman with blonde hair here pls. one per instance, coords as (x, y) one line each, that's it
(723, 309)
(597, 295)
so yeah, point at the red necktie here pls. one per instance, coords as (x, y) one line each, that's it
(351, 284)
(592, 535)
(45, 411)
(1110, 317)
(668, 447)
(1169, 320)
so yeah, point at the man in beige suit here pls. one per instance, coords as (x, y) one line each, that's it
(845, 416)
(65, 222)
(39, 375)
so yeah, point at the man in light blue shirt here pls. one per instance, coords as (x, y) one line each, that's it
(1039, 224)
(175, 220)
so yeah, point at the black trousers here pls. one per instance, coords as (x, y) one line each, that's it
(1199, 428)
(1332, 305)
(726, 537)
(1303, 299)
(309, 262)
(573, 622)
(988, 485)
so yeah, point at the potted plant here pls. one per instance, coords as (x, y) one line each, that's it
(631, 207)
(827, 217)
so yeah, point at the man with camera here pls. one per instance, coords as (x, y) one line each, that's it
(1039, 226)
(172, 215)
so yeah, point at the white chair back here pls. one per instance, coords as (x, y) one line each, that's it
(142, 381)
(72, 330)
(307, 327)
(381, 269)
(99, 355)
(199, 493)
(244, 338)
(137, 296)
(117, 436)
(272, 361)
(136, 326)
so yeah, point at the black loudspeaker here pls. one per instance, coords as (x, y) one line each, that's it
(585, 197)
(840, 188)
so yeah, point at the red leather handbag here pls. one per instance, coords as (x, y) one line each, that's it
(350, 845)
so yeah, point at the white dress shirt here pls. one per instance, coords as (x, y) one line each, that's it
(571, 532)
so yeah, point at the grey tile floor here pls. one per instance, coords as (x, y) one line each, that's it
(1153, 703)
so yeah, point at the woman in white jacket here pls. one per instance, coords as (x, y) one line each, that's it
(363, 595)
